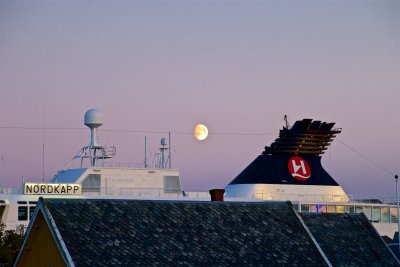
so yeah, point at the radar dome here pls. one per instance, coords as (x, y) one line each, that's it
(93, 118)
(163, 141)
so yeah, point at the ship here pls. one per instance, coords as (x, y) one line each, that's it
(289, 169)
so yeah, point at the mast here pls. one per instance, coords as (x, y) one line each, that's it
(169, 151)
(94, 151)
(145, 151)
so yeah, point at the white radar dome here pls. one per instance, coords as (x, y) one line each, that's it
(93, 118)
(163, 141)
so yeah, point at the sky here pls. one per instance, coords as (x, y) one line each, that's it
(238, 67)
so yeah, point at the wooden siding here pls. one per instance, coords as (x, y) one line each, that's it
(40, 248)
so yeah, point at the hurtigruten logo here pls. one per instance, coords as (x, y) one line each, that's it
(299, 168)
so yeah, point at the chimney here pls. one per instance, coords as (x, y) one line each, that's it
(217, 194)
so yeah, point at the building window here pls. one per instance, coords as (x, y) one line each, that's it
(22, 213)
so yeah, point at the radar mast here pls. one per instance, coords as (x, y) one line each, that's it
(94, 152)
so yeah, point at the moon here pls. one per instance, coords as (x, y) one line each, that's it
(200, 132)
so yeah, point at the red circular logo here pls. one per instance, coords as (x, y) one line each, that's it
(299, 168)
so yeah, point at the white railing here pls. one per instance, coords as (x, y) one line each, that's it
(265, 195)
(11, 191)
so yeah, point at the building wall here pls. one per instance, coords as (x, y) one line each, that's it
(40, 248)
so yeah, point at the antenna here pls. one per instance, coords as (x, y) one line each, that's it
(162, 162)
(43, 150)
(1, 172)
(285, 118)
(169, 151)
(162, 150)
(145, 151)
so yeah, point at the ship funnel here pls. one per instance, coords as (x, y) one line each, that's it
(93, 120)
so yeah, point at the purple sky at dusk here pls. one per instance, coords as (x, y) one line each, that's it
(238, 67)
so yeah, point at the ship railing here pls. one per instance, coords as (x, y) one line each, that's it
(123, 165)
(11, 191)
(128, 165)
(264, 195)
(142, 192)
(376, 200)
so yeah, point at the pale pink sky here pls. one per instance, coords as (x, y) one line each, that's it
(237, 67)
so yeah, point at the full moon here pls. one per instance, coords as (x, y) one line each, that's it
(200, 132)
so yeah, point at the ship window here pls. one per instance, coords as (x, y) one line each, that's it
(296, 207)
(359, 209)
(393, 215)
(2, 208)
(32, 202)
(21, 202)
(172, 184)
(31, 211)
(317, 208)
(376, 214)
(385, 214)
(91, 183)
(321, 208)
(349, 209)
(305, 208)
(368, 212)
(340, 209)
(22, 213)
(313, 208)
(331, 209)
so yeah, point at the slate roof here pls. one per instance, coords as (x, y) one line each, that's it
(109, 232)
(349, 240)
(394, 247)
(182, 233)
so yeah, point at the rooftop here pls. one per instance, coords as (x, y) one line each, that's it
(94, 232)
